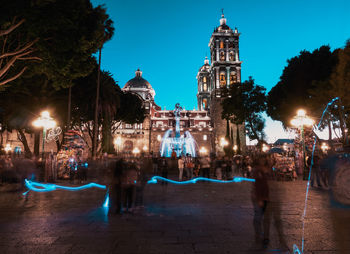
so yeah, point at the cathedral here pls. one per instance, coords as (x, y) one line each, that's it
(178, 129)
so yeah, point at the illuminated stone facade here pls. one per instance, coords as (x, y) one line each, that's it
(205, 124)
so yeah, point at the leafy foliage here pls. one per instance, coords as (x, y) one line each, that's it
(301, 85)
(244, 105)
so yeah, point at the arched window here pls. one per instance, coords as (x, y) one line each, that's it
(205, 104)
(232, 56)
(204, 79)
(205, 87)
(221, 44)
(128, 145)
(222, 56)
(222, 79)
(233, 77)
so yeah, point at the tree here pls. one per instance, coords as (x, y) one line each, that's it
(69, 32)
(10, 52)
(114, 106)
(340, 87)
(21, 105)
(106, 36)
(300, 77)
(244, 105)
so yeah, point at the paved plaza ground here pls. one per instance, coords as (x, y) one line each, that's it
(196, 218)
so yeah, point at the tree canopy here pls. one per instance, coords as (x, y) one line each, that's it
(300, 80)
(68, 33)
(244, 105)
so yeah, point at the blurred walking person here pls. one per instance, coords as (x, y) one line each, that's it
(266, 199)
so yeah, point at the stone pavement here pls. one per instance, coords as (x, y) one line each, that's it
(196, 218)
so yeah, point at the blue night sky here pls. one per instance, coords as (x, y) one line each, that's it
(168, 40)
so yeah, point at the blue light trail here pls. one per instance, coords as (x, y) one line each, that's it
(295, 247)
(106, 203)
(46, 187)
(195, 180)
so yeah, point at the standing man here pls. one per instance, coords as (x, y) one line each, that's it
(205, 161)
(180, 164)
(189, 166)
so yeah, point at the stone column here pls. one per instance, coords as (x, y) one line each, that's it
(228, 76)
(238, 73)
(217, 50)
(217, 85)
(227, 51)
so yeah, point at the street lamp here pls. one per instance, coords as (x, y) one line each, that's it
(235, 148)
(46, 122)
(324, 147)
(223, 142)
(299, 121)
(264, 148)
(203, 150)
(8, 148)
(136, 151)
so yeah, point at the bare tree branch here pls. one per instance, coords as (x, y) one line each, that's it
(13, 78)
(30, 44)
(11, 28)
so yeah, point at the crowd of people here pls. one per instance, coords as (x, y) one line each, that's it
(221, 167)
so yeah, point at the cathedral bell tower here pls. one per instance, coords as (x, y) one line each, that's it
(225, 71)
(203, 79)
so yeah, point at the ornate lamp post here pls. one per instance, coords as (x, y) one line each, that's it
(299, 121)
(46, 122)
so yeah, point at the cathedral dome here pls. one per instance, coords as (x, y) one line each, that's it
(140, 86)
(138, 82)
(206, 66)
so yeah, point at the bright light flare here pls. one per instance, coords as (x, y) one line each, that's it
(8, 148)
(203, 150)
(118, 141)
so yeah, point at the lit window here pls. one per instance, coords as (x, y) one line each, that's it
(233, 77)
(221, 44)
(205, 104)
(232, 56)
(222, 56)
(205, 87)
(204, 79)
(205, 137)
(222, 79)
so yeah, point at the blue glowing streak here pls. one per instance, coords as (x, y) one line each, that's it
(106, 203)
(195, 180)
(46, 187)
(295, 248)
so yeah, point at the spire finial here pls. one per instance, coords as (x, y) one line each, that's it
(138, 72)
(222, 20)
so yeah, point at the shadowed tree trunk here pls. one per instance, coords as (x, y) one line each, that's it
(24, 141)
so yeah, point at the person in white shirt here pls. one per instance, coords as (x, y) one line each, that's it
(180, 164)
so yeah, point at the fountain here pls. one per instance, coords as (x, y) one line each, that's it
(181, 144)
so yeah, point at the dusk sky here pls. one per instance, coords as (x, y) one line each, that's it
(168, 40)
